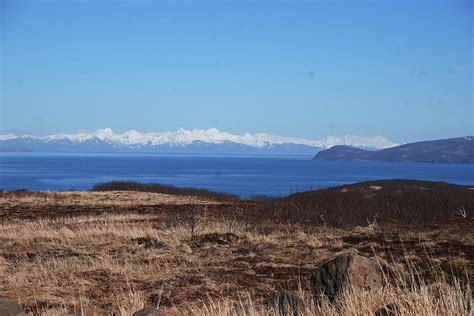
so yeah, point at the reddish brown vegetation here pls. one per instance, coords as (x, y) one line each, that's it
(160, 188)
(405, 202)
(113, 249)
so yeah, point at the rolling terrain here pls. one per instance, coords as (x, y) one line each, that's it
(112, 252)
(453, 150)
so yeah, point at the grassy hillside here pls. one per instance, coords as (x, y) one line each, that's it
(117, 251)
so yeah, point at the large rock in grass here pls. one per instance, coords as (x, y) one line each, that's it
(343, 270)
(9, 308)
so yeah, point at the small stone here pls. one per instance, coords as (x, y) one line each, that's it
(148, 311)
(9, 308)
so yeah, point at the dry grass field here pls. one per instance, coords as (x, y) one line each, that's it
(111, 253)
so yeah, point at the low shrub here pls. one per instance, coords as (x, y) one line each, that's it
(159, 188)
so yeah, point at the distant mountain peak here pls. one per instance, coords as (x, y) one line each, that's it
(8, 137)
(183, 137)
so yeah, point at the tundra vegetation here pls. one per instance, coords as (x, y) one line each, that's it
(123, 247)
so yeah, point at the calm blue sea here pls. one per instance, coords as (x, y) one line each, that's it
(242, 175)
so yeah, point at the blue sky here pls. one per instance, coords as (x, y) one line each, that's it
(403, 69)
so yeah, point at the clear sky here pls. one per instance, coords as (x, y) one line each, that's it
(402, 69)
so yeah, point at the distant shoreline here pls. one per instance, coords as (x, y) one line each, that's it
(451, 150)
(238, 175)
(152, 187)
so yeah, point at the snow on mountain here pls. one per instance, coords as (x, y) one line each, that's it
(375, 142)
(183, 137)
(8, 137)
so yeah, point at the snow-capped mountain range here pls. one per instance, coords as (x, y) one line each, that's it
(183, 141)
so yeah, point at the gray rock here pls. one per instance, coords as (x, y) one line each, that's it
(148, 311)
(9, 308)
(345, 269)
(288, 303)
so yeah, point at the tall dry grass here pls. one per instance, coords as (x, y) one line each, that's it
(214, 265)
(424, 299)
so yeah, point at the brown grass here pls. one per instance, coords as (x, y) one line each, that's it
(118, 251)
(160, 188)
(406, 202)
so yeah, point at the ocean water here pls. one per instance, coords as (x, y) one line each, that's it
(241, 175)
